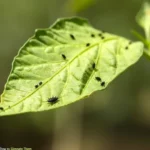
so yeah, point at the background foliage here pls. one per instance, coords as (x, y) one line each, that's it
(116, 118)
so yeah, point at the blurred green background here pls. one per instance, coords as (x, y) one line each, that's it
(117, 118)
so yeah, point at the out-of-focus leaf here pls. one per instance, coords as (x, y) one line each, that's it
(143, 19)
(69, 60)
(80, 5)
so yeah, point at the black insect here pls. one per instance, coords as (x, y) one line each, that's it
(126, 47)
(98, 79)
(72, 36)
(40, 83)
(100, 34)
(92, 35)
(53, 100)
(103, 83)
(36, 86)
(102, 37)
(88, 44)
(1, 108)
(93, 65)
(63, 56)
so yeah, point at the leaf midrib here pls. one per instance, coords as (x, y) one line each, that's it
(86, 49)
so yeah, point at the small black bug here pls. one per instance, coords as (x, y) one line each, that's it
(98, 78)
(40, 83)
(64, 57)
(36, 86)
(93, 65)
(53, 100)
(100, 34)
(102, 37)
(103, 84)
(72, 36)
(92, 35)
(88, 44)
(1, 108)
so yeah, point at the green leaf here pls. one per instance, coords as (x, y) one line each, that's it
(143, 19)
(80, 5)
(67, 58)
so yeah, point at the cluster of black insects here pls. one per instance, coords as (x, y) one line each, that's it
(98, 78)
(40, 83)
(127, 47)
(55, 99)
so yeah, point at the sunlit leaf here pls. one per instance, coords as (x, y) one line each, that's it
(69, 61)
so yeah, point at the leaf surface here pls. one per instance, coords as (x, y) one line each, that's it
(69, 60)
